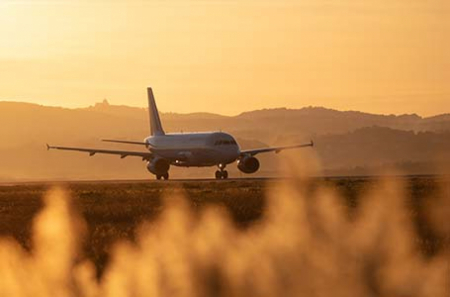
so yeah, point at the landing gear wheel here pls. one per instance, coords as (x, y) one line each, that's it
(221, 174)
(158, 177)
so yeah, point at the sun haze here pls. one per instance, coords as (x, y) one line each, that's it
(389, 56)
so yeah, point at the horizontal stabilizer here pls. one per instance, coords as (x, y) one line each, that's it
(125, 141)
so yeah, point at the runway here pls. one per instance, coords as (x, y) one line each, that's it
(207, 180)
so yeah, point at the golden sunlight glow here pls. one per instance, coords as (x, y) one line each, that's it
(229, 56)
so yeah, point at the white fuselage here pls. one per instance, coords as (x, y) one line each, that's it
(195, 149)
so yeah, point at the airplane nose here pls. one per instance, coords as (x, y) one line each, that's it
(236, 153)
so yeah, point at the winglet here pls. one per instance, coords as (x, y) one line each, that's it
(48, 147)
(312, 143)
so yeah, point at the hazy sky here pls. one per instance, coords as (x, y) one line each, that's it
(226, 56)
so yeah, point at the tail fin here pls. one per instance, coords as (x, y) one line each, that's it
(155, 121)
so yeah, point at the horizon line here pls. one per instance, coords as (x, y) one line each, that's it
(223, 115)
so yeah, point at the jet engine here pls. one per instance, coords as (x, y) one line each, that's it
(158, 166)
(248, 164)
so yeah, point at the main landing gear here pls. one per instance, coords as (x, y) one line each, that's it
(221, 173)
(163, 176)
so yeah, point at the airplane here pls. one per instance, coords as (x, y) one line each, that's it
(200, 149)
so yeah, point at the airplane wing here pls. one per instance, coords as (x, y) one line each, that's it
(274, 149)
(91, 151)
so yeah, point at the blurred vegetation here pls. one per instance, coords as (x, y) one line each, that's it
(114, 210)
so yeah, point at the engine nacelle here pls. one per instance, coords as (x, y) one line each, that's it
(248, 164)
(158, 166)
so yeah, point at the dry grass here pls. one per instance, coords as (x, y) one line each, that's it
(295, 238)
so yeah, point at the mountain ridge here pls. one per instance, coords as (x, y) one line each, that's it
(101, 106)
(346, 142)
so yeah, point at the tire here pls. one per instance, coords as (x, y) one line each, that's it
(224, 174)
(218, 174)
(158, 177)
(166, 176)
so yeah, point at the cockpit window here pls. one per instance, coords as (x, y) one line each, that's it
(225, 142)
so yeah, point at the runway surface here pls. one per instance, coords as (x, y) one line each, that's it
(208, 180)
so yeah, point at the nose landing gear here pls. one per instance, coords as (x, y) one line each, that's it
(221, 173)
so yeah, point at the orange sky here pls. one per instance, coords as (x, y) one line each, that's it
(229, 56)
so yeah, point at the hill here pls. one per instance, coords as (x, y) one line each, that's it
(345, 139)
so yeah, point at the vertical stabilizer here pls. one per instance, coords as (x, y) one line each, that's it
(155, 121)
